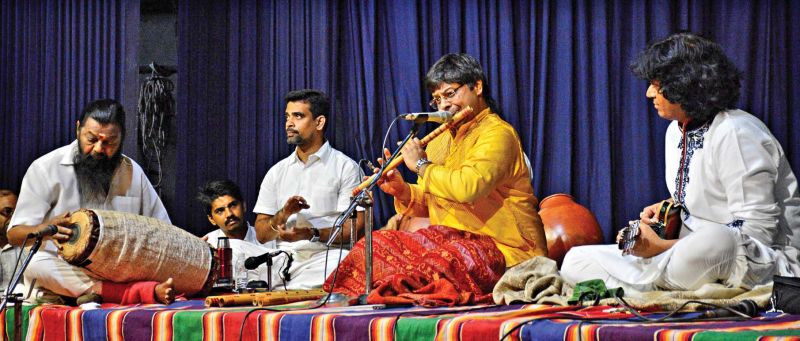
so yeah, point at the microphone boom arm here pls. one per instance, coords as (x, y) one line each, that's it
(359, 193)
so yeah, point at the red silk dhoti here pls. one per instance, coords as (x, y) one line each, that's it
(435, 266)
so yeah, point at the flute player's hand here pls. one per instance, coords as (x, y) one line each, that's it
(412, 152)
(392, 182)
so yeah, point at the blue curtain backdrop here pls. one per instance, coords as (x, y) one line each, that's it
(558, 69)
(56, 57)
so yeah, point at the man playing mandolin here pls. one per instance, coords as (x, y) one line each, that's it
(741, 208)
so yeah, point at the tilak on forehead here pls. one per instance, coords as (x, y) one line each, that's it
(104, 136)
(104, 132)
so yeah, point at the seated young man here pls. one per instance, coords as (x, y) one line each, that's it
(741, 208)
(303, 194)
(225, 208)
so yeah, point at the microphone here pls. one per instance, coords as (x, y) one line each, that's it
(747, 307)
(253, 262)
(48, 230)
(436, 116)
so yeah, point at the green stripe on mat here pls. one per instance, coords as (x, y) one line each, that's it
(416, 329)
(26, 310)
(743, 335)
(188, 325)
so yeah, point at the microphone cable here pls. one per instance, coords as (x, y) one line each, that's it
(319, 304)
(386, 136)
(19, 257)
(644, 319)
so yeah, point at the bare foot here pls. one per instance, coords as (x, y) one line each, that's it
(164, 292)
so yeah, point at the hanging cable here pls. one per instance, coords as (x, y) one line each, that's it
(156, 107)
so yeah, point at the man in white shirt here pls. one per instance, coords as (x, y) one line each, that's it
(90, 172)
(8, 253)
(302, 195)
(740, 219)
(225, 208)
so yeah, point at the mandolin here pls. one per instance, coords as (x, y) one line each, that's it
(668, 226)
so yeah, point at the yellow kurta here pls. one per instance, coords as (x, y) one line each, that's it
(479, 183)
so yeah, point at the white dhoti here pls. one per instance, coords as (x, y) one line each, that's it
(308, 269)
(712, 254)
(56, 275)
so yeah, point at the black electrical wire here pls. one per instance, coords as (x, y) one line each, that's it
(644, 319)
(156, 107)
(320, 304)
(16, 264)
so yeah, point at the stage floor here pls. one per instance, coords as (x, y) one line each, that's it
(191, 320)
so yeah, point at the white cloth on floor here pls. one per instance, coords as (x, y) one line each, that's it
(213, 236)
(679, 268)
(307, 270)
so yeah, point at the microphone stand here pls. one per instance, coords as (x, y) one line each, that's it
(268, 260)
(365, 201)
(269, 273)
(16, 299)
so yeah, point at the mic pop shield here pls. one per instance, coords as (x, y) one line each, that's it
(746, 307)
(436, 116)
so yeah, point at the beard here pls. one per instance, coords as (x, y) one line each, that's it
(94, 175)
(295, 140)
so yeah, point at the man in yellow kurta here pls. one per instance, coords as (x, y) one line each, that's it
(474, 186)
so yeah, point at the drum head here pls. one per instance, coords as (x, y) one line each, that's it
(85, 230)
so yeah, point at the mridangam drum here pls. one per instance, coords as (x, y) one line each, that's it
(124, 247)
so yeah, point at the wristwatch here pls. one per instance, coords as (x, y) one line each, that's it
(421, 162)
(315, 234)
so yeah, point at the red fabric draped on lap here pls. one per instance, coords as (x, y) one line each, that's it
(129, 293)
(435, 266)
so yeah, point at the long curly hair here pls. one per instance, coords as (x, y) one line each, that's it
(691, 71)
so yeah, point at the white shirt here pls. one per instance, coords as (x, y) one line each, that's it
(326, 181)
(737, 175)
(249, 237)
(9, 262)
(736, 178)
(50, 188)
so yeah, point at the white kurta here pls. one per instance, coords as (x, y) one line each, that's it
(241, 249)
(326, 180)
(251, 247)
(738, 190)
(250, 237)
(50, 188)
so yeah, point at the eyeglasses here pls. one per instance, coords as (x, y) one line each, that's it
(447, 95)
